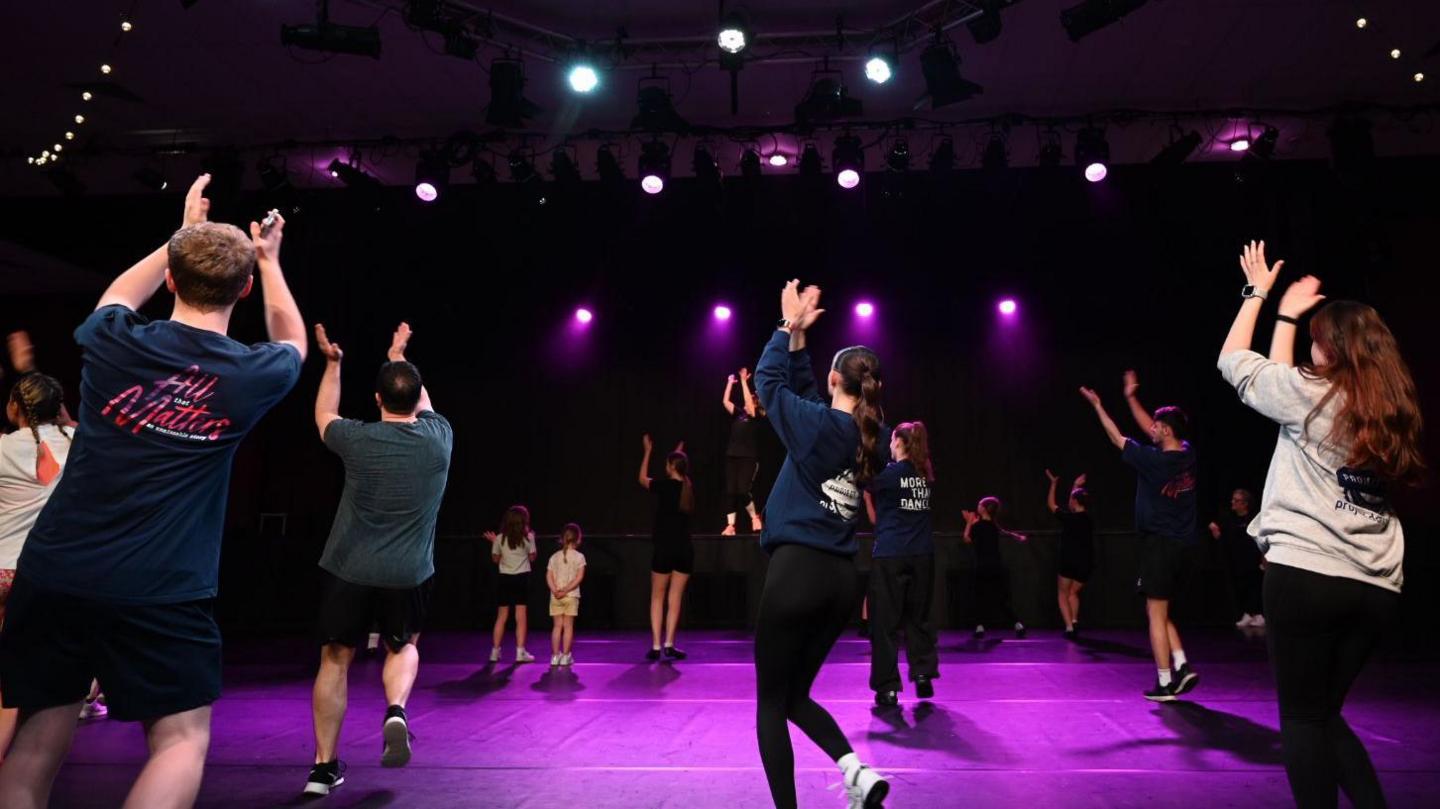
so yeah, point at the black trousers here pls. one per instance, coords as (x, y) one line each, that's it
(807, 601)
(992, 597)
(1321, 631)
(901, 591)
(739, 481)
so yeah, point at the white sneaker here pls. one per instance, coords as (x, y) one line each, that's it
(522, 656)
(373, 642)
(93, 709)
(567, 659)
(864, 788)
(495, 655)
(1245, 620)
(555, 659)
(1257, 621)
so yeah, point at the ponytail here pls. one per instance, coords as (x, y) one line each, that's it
(917, 447)
(859, 371)
(40, 398)
(681, 462)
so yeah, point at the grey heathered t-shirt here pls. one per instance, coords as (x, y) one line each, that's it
(395, 472)
(1316, 514)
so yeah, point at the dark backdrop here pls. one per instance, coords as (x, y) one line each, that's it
(1136, 272)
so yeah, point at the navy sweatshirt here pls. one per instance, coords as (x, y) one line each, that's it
(815, 500)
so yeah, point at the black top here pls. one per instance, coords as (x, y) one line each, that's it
(986, 538)
(671, 524)
(1077, 534)
(1241, 551)
(744, 436)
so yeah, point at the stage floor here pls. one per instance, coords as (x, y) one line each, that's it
(1039, 721)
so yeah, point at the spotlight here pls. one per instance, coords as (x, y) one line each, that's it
(1241, 144)
(151, 178)
(809, 164)
(943, 82)
(352, 176)
(750, 164)
(86, 96)
(583, 315)
(1052, 152)
(848, 160)
(1419, 77)
(864, 309)
(997, 154)
(1361, 22)
(734, 33)
(432, 176)
(898, 158)
(654, 166)
(986, 27)
(126, 26)
(706, 168)
(942, 160)
(1091, 15)
(79, 119)
(69, 136)
(877, 69)
(722, 312)
(1092, 151)
(522, 168)
(826, 100)
(563, 168)
(1008, 307)
(607, 167)
(1178, 150)
(329, 37)
(779, 161)
(657, 109)
(508, 105)
(105, 69)
(583, 78)
(1395, 53)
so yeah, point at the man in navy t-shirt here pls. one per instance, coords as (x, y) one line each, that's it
(117, 578)
(1164, 521)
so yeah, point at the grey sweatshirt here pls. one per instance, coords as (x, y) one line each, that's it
(1316, 514)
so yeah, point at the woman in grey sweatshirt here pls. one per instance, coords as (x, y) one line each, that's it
(1349, 431)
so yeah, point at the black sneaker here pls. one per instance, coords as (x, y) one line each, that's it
(1070, 634)
(396, 732)
(924, 689)
(324, 778)
(652, 655)
(1161, 693)
(671, 653)
(887, 699)
(1185, 679)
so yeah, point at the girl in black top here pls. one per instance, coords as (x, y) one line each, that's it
(1077, 549)
(673, 558)
(742, 453)
(992, 579)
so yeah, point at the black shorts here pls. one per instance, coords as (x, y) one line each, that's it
(152, 660)
(740, 475)
(673, 557)
(1076, 566)
(348, 610)
(1160, 564)
(514, 589)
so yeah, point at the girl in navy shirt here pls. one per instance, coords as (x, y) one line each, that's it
(833, 449)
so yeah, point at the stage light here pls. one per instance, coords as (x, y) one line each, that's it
(86, 96)
(57, 147)
(809, 164)
(898, 158)
(329, 37)
(432, 176)
(126, 26)
(1395, 53)
(352, 176)
(1240, 145)
(583, 78)
(79, 119)
(1361, 22)
(1091, 15)
(750, 164)
(848, 160)
(1093, 152)
(997, 154)
(779, 160)
(864, 309)
(1264, 146)
(826, 100)
(563, 168)
(508, 105)
(607, 167)
(1008, 307)
(583, 315)
(877, 69)
(151, 178)
(942, 160)
(722, 312)
(69, 136)
(656, 107)
(654, 166)
(734, 34)
(1178, 150)
(943, 82)
(1419, 77)
(105, 69)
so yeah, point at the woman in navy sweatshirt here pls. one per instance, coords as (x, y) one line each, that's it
(832, 450)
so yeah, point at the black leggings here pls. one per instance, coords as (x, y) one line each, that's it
(808, 598)
(739, 480)
(1321, 630)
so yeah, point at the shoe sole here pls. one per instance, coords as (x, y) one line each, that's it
(1166, 698)
(925, 693)
(313, 788)
(1188, 684)
(877, 794)
(397, 743)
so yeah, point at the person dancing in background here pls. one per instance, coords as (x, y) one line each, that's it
(811, 586)
(1164, 521)
(742, 453)
(1350, 425)
(673, 558)
(902, 577)
(993, 600)
(1077, 549)
(1243, 558)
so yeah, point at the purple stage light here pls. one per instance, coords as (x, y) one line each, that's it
(779, 160)
(722, 312)
(426, 192)
(1095, 172)
(652, 184)
(583, 315)
(848, 178)
(1008, 307)
(864, 309)
(1240, 145)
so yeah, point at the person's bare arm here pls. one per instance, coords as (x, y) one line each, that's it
(137, 285)
(745, 392)
(282, 314)
(870, 506)
(1112, 432)
(574, 585)
(327, 399)
(1050, 498)
(1137, 410)
(729, 389)
(649, 446)
(398, 343)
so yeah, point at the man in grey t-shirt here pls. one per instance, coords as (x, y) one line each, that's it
(380, 555)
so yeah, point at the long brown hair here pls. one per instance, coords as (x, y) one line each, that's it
(570, 537)
(917, 447)
(1379, 422)
(859, 371)
(681, 462)
(39, 398)
(515, 526)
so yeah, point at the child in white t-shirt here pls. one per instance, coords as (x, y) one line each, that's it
(563, 574)
(513, 549)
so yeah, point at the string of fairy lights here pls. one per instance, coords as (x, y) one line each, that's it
(52, 155)
(1366, 24)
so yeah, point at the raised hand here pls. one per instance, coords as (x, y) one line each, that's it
(744, 374)
(1090, 396)
(1301, 296)
(731, 380)
(791, 305)
(490, 536)
(1132, 384)
(1051, 476)
(267, 244)
(647, 443)
(22, 352)
(197, 207)
(331, 350)
(810, 297)
(399, 343)
(970, 517)
(1257, 272)
(680, 447)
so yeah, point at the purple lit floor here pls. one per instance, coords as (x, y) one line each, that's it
(1039, 722)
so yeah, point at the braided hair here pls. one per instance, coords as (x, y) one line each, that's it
(39, 398)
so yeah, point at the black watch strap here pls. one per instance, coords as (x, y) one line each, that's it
(1287, 319)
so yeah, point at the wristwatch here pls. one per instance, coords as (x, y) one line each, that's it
(1252, 291)
(783, 323)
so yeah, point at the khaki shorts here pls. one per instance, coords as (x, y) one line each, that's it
(569, 605)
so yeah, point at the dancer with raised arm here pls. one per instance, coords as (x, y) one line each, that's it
(672, 559)
(1164, 522)
(833, 448)
(380, 556)
(127, 593)
(742, 453)
(1349, 433)
(1077, 549)
(994, 601)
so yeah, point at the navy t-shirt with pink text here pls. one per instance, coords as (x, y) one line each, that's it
(138, 515)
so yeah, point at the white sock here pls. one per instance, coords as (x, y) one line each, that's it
(848, 763)
(980, 628)
(1179, 657)
(1164, 676)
